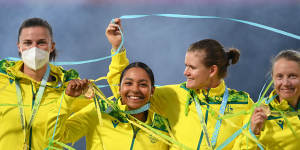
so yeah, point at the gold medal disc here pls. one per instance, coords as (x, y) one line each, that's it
(89, 91)
(266, 109)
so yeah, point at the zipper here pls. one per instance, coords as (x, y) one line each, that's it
(135, 131)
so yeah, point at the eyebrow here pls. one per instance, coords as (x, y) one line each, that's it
(26, 40)
(31, 40)
(142, 80)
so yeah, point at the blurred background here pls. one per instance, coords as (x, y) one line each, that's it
(79, 27)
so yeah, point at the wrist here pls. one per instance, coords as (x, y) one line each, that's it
(114, 49)
(255, 131)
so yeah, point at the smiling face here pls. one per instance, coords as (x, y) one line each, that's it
(196, 73)
(286, 76)
(135, 88)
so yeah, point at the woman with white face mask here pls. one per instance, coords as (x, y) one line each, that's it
(189, 106)
(276, 124)
(32, 90)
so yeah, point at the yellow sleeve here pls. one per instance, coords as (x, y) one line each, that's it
(243, 141)
(79, 103)
(58, 116)
(80, 124)
(84, 118)
(118, 63)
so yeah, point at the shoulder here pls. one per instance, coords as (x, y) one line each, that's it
(238, 96)
(171, 89)
(5, 64)
(70, 74)
(160, 122)
(65, 75)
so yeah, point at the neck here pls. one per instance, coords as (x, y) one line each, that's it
(37, 75)
(141, 116)
(213, 84)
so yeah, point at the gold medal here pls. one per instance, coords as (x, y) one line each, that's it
(89, 91)
(266, 109)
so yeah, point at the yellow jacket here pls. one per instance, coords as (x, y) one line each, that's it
(172, 100)
(11, 133)
(276, 135)
(115, 132)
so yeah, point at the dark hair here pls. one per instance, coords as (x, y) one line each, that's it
(139, 65)
(34, 22)
(291, 55)
(216, 55)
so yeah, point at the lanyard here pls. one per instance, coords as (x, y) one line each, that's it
(218, 124)
(139, 110)
(202, 122)
(35, 108)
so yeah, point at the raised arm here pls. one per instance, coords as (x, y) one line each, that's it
(119, 61)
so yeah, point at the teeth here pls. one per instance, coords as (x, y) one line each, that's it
(286, 89)
(134, 97)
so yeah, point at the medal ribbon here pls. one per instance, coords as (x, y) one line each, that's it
(139, 110)
(202, 122)
(218, 124)
(36, 103)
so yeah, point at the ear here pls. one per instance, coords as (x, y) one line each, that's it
(52, 47)
(152, 90)
(122, 102)
(213, 71)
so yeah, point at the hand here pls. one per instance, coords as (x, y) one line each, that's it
(257, 120)
(113, 33)
(76, 86)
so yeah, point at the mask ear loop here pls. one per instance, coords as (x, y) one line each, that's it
(50, 47)
(21, 50)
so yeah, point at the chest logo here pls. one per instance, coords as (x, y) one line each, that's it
(153, 139)
(115, 123)
(228, 109)
(280, 123)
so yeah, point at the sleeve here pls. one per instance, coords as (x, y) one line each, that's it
(79, 103)
(57, 117)
(118, 63)
(243, 141)
(79, 124)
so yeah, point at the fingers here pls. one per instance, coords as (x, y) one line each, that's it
(84, 83)
(117, 21)
(260, 112)
(114, 26)
(258, 119)
(78, 84)
(113, 33)
(259, 116)
(113, 29)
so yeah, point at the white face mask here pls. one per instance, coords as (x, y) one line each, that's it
(35, 58)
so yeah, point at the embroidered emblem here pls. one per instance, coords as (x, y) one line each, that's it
(153, 139)
(115, 123)
(228, 109)
(280, 123)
